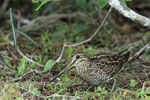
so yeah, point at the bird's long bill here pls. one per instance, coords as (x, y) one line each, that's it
(64, 70)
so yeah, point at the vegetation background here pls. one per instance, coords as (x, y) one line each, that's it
(32, 34)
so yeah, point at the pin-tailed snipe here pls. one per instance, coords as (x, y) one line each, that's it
(97, 69)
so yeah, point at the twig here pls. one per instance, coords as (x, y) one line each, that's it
(146, 74)
(30, 60)
(5, 4)
(129, 13)
(97, 9)
(12, 53)
(85, 41)
(13, 28)
(139, 53)
(6, 43)
(19, 19)
(22, 19)
(51, 96)
(136, 55)
(45, 21)
(31, 71)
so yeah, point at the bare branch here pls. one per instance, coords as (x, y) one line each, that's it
(31, 71)
(5, 4)
(136, 55)
(85, 41)
(139, 53)
(30, 60)
(129, 13)
(51, 96)
(28, 72)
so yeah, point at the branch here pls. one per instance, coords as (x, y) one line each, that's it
(5, 4)
(129, 13)
(51, 96)
(139, 53)
(25, 74)
(30, 60)
(31, 71)
(85, 41)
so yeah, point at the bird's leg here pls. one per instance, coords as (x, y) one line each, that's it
(114, 84)
(83, 82)
(86, 85)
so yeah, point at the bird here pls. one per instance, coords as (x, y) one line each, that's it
(97, 69)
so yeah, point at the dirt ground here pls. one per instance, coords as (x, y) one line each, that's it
(22, 75)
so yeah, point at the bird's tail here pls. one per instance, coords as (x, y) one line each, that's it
(124, 57)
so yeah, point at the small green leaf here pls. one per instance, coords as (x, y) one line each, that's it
(35, 1)
(60, 91)
(99, 88)
(102, 3)
(42, 3)
(81, 3)
(21, 67)
(69, 53)
(35, 91)
(123, 2)
(19, 98)
(22, 33)
(133, 83)
(49, 64)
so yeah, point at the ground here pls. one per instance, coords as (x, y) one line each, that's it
(24, 73)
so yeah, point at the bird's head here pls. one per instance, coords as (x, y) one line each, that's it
(79, 59)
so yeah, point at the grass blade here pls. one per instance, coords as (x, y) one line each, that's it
(22, 33)
(13, 28)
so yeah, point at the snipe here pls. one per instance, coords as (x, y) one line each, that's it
(97, 69)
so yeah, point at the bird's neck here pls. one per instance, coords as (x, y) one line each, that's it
(82, 67)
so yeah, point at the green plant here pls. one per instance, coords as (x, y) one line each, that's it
(46, 38)
(19, 98)
(80, 3)
(69, 54)
(139, 93)
(102, 3)
(103, 42)
(42, 2)
(91, 51)
(14, 31)
(128, 67)
(21, 67)
(33, 90)
(118, 48)
(133, 82)
(99, 91)
(49, 64)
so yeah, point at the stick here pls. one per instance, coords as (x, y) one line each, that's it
(139, 53)
(85, 41)
(50, 96)
(129, 13)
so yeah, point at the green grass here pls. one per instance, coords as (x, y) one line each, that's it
(67, 85)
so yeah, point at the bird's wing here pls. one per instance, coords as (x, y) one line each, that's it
(108, 63)
(97, 75)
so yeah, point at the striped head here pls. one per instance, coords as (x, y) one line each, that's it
(79, 61)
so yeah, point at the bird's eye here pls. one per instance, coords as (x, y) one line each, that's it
(77, 57)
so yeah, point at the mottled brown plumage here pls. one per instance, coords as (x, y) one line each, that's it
(97, 69)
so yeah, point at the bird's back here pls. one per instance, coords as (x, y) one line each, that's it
(110, 64)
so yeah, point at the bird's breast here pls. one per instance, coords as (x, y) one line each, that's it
(81, 69)
(91, 75)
